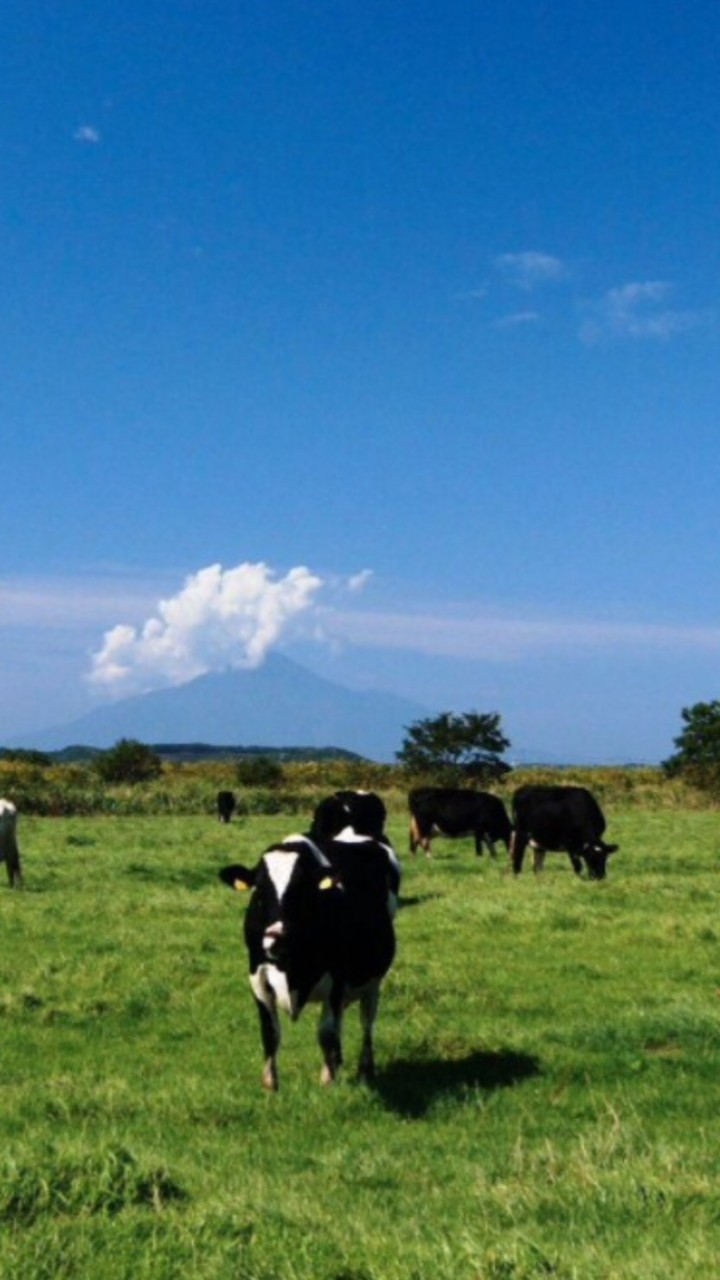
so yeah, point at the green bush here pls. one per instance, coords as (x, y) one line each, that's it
(259, 771)
(128, 761)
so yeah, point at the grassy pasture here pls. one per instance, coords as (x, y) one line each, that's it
(548, 1061)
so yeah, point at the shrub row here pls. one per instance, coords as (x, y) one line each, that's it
(64, 790)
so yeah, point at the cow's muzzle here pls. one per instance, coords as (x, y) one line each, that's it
(273, 940)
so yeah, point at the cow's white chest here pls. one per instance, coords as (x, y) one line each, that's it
(271, 988)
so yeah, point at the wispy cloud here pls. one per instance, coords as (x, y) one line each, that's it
(638, 310)
(358, 581)
(71, 604)
(221, 618)
(473, 295)
(530, 269)
(517, 319)
(87, 134)
(492, 637)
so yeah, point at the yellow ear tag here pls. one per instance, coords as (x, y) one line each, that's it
(240, 886)
(327, 883)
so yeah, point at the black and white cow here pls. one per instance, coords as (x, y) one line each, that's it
(9, 852)
(560, 818)
(356, 817)
(225, 805)
(317, 929)
(365, 812)
(448, 811)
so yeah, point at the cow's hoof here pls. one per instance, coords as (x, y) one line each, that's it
(270, 1080)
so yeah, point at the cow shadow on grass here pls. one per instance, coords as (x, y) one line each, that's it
(417, 900)
(411, 1087)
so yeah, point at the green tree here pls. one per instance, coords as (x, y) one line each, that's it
(22, 755)
(259, 771)
(698, 747)
(128, 761)
(456, 747)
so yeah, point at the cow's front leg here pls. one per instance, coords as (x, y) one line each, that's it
(330, 1037)
(483, 837)
(12, 865)
(269, 1034)
(14, 873)
(369, 1001)
(538, 858)
(518, 844)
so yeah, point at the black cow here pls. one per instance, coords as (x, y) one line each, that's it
(225, 805)
(353, 816)
(564, 818)
(317, 929)
(448, 811)
(9, 852)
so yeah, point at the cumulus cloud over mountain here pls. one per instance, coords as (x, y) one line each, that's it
(222, 618)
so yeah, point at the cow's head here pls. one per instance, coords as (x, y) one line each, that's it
(596, 854)
(289, 894)
(330, 817)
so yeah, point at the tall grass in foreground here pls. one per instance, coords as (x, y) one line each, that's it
(547, 1048)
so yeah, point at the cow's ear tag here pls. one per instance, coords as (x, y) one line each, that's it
(241, 886)
(327, 883)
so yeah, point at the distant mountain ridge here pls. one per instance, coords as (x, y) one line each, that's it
(280, 704)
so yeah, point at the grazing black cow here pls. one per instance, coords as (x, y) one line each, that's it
(354, 817)
(317, 929)
(9, 852)
(448, 811)
(225, 805)
(564, 818)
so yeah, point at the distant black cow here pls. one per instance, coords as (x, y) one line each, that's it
(564, 818)
(353, 816)
(317, 929)
(447, 811)
(9, 852)
(225, 805)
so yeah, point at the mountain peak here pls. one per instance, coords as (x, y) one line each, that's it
(280, 704)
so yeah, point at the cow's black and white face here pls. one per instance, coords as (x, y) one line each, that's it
(596, 855)
(284, 891)
(284, 919)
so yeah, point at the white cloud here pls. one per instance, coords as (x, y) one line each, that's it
(530, 269)
(637, 310)
(220, 619)
(87, 133)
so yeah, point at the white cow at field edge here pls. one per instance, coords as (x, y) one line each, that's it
(9, 851)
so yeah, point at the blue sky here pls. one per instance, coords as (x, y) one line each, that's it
(427, 295)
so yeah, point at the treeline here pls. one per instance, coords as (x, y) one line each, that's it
(264, 785)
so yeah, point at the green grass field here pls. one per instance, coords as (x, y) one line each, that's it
(548, 1058)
